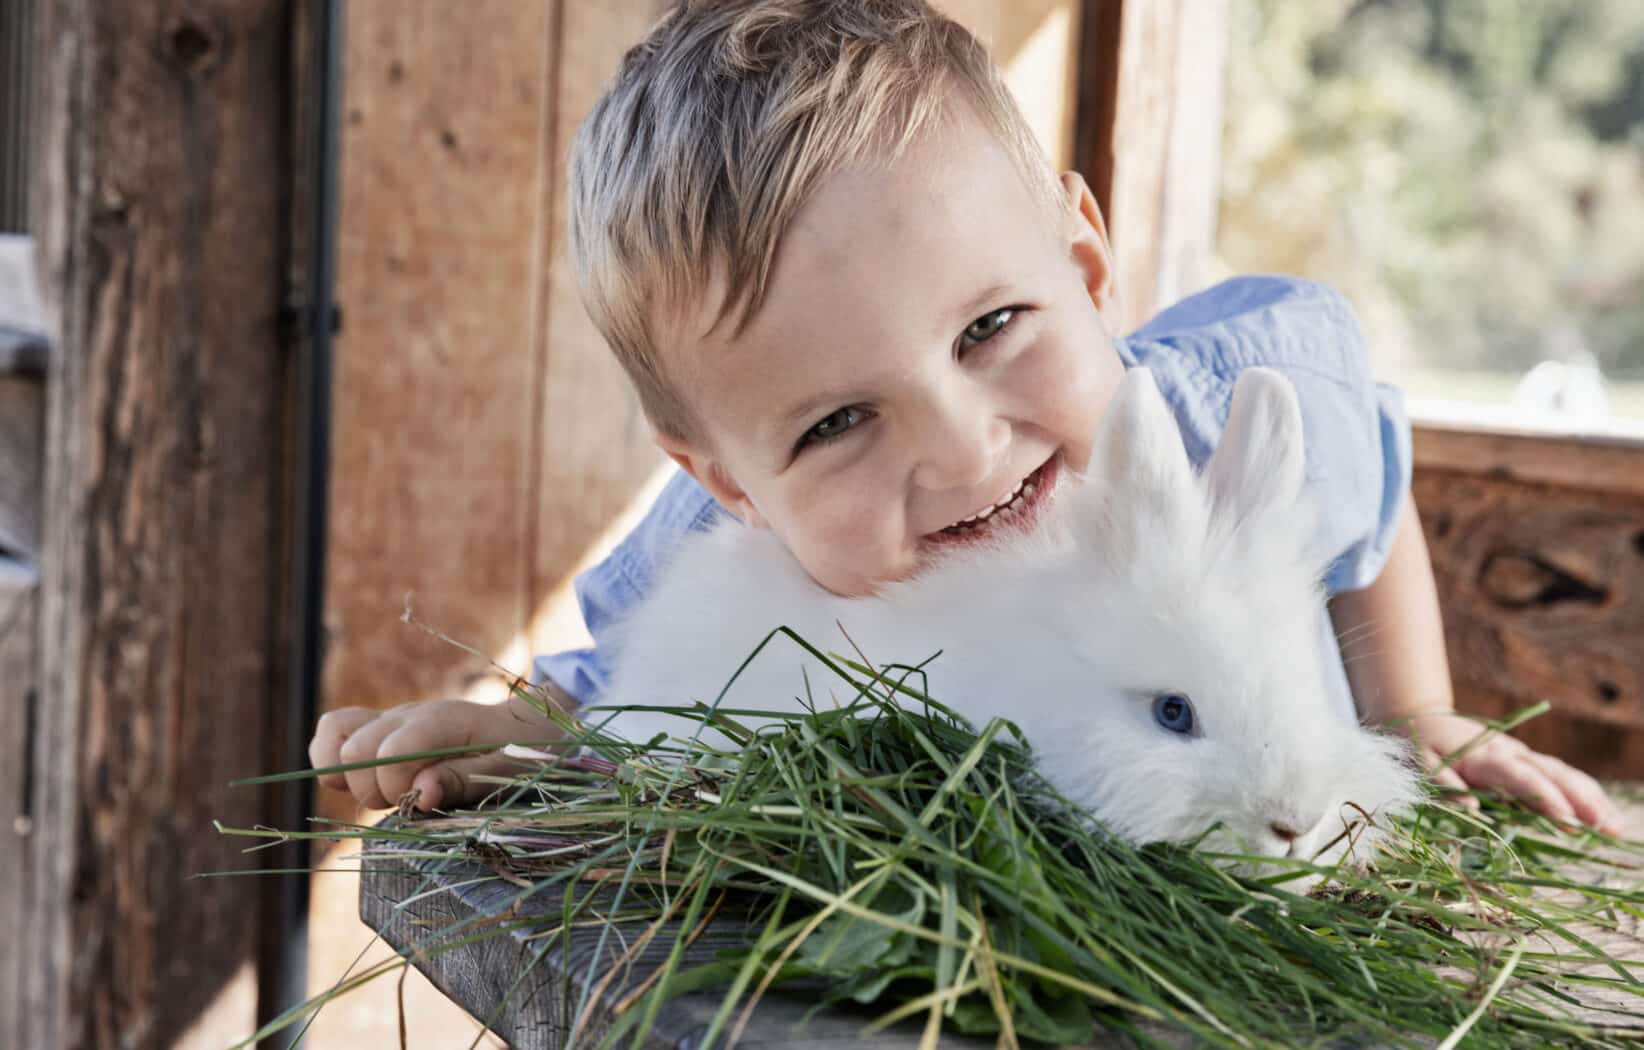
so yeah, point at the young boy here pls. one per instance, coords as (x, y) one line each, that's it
(859, 310)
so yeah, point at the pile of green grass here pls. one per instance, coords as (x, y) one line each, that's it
(911, 862)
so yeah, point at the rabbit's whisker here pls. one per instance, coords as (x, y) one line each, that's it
(1361, 631)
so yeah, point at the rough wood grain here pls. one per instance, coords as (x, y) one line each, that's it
(18, 597)
(161, 178)
(1542, 588)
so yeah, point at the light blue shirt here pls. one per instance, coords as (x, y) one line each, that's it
(1356, 433)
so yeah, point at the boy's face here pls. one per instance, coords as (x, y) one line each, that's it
(930, 340)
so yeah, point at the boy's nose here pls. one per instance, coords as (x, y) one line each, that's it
(962, 453)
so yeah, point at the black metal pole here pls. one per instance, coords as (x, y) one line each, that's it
(283, 981)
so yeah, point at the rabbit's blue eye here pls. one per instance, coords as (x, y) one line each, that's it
(1174, 712)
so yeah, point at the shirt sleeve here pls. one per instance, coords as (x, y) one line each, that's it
(1361, 516)
(610, 589)
(1356, 430)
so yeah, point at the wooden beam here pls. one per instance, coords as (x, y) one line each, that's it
(1148, 138)
(160, 190)
(1580, 461)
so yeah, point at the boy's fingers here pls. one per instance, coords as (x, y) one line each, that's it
(1448, 778)
(330, 732)
(1592, 806)
(408, 739)
(363, 746)
(1517, 776)
(447, 785)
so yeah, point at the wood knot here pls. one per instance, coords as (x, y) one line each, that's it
(192, 47)
(1520, 580)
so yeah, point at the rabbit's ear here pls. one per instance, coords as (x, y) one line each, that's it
(1259, 466)
(1140, 456)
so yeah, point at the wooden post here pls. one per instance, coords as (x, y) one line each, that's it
(1148, 138)
(159, 207)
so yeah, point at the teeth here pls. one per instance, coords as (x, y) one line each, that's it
(1024, 490)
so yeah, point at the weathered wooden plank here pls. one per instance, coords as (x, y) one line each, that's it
(1148, 136)
(441, 183)
(1537, 542)
(1542, 588)
(1590, 462)
(158, 207)
(538, 1011)
(18, 597)
(528, 989)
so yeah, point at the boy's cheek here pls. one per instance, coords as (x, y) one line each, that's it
(846, 562)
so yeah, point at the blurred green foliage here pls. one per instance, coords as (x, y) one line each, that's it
(1469, 172)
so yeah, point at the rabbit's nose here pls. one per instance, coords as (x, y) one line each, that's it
(1284, 831)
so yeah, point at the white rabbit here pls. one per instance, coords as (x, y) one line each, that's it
(1156, 638)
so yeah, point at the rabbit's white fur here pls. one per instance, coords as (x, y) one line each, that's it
(1141, 579)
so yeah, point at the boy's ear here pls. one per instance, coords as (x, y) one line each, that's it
(700, 464)
(1088, 242)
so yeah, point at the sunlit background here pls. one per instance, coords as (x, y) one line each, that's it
(1470, 173)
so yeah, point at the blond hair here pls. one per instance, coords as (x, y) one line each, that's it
(722, 123)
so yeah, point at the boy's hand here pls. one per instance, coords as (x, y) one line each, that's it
(360, 734)
(1510, 767)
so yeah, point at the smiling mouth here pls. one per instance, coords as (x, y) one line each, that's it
(1012, 508)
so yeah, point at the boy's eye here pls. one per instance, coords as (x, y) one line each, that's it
(833, 425)
(988, 325)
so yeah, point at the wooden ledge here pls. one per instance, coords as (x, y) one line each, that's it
(535, 1012)
(1607, 462)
